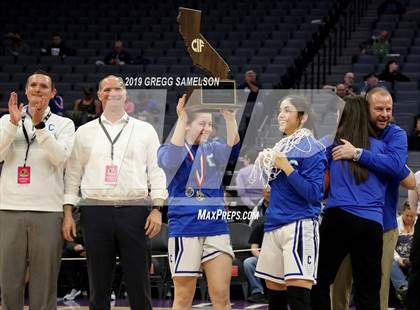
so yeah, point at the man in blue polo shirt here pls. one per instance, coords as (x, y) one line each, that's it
(391, 164)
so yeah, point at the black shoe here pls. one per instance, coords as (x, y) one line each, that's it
(257, 298)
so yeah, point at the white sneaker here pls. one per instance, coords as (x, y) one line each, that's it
(113, 297)
(72, 295)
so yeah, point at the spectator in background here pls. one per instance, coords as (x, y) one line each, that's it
(348, 81)
(118, 56)
(250, 264)
(146, 104)
(380, 46)
(144, 109)
(412, 301)
(14, 45)
(414, 138)
(401, 261)
(250, 193)
(88, 103)
(341, 90)
(89, 107)
(58, 47)
(251, 85)
(56, 104)
(262, 205)
(371, 81)
(74, 273)
(391, 73)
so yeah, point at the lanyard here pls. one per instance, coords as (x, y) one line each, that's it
(29, 141)
(199, 178)
(109, 137)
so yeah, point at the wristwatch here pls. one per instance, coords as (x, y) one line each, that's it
(40, 125)
(357, 153)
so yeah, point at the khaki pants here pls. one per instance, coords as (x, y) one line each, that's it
(390, 242)
(34, 238)
(341, 289)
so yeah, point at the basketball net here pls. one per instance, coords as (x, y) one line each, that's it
(264, 168)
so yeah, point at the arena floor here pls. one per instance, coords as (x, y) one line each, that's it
(82, 304)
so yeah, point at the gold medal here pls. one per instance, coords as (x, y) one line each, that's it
(189, 191)
(199, 195)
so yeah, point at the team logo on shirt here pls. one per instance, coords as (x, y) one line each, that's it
(51, 127)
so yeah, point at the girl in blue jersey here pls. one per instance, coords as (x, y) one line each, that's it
(198, 231)
(352, 220)
(288, 257)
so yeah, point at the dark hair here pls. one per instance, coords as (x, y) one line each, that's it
(405, 206)
(42, 72)
(87, 91)
(55, 34)
(416, 119)
(252, 155)
(303, 107)
(386, 69)
(354, 126)
(369, 75)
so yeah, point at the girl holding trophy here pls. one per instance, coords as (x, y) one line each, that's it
(197, 241)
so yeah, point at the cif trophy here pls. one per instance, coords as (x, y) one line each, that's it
(205, 57)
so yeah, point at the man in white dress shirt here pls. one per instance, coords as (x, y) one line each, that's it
(34, 144)
(113, 160)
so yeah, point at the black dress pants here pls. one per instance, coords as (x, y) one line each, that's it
(110, 231)
(343, 233)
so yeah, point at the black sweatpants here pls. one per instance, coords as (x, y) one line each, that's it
(108, 232)
(343, 233)
(412, 301)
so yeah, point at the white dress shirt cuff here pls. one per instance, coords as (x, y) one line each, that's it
(158, 194)
(70, 199)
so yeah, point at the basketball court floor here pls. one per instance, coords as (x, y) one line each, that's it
(158, 304)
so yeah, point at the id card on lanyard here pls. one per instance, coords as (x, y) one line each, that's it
(24, 172)
(111, 171)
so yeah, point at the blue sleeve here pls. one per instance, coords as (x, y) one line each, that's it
(404, 173)
(309, 180)
(392, 161)
(170, 156)
(222, 152)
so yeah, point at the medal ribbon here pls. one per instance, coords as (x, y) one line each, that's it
(198, 178)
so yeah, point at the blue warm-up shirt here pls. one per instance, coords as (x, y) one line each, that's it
(366, 199)
(298, 196)
(391, 164)
(183, 212)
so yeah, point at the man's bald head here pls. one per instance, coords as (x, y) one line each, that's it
(120, 80)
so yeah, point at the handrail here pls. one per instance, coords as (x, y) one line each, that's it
(315, 61)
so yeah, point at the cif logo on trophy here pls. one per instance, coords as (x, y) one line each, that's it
(205, 57)
(197, 45)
